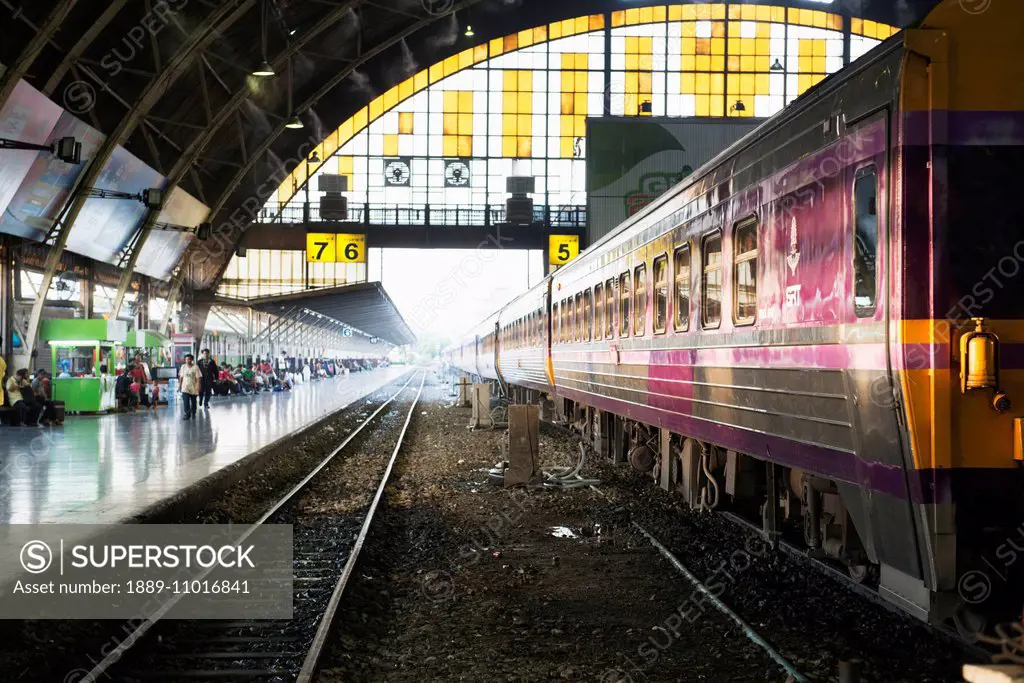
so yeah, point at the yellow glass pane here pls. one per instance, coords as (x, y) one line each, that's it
(717, 63)
(703, 63)
(360, 119)
(703, 83)
(497, 47)
(568, 104)
(732, 82)
(718, 46)
(422, 80)
(718, 29)
(762, 85)
(580, 125)
(508, 147)
(450, 145)
(405, 123)
(703, 106)
(450, 124)
(734, 63)
(405, 89)
(688, 83)
(717, 83)
(376, 108)
(717, 106)
(747, 84)
(580, 106)
(391, 145)
(646, 82)
(524, 148)
(508, 124)
(524, 124)
(703, 46)
(511, 43)
(632, 61)
(346, 165)
(618, 18)
(509, 105)
(525, 100)
(688, 62)
(465, 124)
(436, 72)
(451, 101)
(567, 148)
(750, 63)
(582, 84)
(525, 38)
(390, 98)
(480, 53)
(465, 148)
(466, 59)
(556, 30)
(540, 34)
(465, 102)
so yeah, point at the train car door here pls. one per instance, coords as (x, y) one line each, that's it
(882, 507)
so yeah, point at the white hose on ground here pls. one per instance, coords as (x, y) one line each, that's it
(567, 477)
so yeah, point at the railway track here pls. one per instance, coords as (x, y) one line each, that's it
(326, 549)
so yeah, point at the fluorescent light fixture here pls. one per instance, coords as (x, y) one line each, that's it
(263, 70)
(294, 123)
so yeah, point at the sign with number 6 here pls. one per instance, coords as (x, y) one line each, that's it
(331, 248)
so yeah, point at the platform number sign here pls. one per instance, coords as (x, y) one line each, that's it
(350, 249)
(320, 247)
(562, 249)
(333, 248)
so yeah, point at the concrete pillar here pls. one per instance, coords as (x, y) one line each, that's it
(523, 444)
(482, 406)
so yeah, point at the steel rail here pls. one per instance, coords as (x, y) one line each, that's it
(101, 668)
(309, 666)
(748, 630)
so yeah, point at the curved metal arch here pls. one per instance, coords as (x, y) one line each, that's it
(82, 44)
(187, 159)
(221, 18)
(28, 55)
(322, 92)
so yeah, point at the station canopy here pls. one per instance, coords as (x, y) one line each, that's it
(364, 306)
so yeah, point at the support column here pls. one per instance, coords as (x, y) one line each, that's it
(523, 444)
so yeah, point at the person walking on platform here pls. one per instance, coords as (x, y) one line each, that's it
(191, 380)
(208, 367)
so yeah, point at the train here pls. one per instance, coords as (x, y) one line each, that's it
(822, 326)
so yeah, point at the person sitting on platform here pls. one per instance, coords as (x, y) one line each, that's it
(226, 383)
(19, 394)
(126, 398)
(42, 387)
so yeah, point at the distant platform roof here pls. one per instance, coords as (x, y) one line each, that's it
(364, 306)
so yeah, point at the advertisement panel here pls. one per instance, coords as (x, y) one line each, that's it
(34, 208)
(162, 249)
(104, 226)
(28, 116)
(631, 161)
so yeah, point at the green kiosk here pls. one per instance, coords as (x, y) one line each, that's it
(79, 349)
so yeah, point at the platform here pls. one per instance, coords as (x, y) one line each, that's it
(106, 469)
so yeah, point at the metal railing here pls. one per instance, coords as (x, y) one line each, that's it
(563, 216)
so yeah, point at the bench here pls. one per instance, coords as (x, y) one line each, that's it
(7, 414)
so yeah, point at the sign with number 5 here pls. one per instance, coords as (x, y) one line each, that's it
(562, 249)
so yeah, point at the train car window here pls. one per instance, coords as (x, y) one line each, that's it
(661, 293)
(745, 272)
(711, 291)
(609, 308)
(639, 299)
(579, 316)
(598, 310)
(865, 238)
(588, 313)
(554, 322)
(624, 305)
(566, 321)
(681, 259)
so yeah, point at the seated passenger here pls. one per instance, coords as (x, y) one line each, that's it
(42, 387)
(19, 395)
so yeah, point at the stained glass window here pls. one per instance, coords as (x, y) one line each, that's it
(518, 105)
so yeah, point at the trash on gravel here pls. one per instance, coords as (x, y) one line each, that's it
(563, 532)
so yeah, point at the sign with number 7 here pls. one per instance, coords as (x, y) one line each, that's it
(320, 247)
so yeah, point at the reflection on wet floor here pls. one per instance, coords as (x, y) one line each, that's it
(103, 469)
